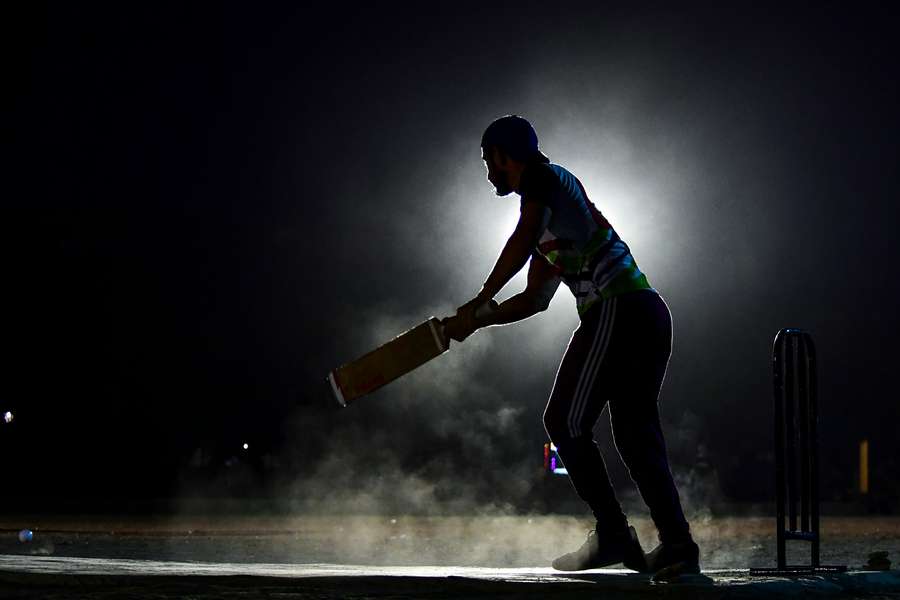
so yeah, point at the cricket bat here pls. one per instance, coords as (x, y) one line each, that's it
(394, 359)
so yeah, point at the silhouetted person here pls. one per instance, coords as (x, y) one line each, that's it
(617, 356)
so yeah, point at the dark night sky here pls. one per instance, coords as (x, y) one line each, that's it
(208, 208)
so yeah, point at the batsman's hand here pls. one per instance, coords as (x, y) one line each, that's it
(477, 307)
(455, 329)
(466, 321)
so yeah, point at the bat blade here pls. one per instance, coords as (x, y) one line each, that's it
(386, 363)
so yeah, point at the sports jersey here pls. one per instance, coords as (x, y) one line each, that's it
(590, 257)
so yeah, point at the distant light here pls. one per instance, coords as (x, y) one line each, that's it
(246, 445)
(556, 466)
(864, 466)
(8, 417)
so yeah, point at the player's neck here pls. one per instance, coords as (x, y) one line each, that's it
(514, 176)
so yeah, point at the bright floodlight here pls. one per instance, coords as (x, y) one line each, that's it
(8, 417)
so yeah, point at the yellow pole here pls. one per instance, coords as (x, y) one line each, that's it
(864, 466)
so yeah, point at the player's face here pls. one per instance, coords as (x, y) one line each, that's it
(498, 178)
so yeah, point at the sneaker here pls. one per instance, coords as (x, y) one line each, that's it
(678, 558)
(597, 552)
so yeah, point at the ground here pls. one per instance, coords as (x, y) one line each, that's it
(407, 557)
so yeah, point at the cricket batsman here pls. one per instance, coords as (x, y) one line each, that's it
(617, 356)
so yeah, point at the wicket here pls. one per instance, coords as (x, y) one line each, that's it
(796, 449)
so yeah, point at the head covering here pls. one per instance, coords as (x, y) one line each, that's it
(516, 137)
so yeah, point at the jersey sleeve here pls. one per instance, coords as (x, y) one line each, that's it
(540, 184)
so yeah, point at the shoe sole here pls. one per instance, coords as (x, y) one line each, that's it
(673, 572)
(596, 566)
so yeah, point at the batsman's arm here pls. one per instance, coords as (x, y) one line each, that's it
(543, 281)
(532, 222)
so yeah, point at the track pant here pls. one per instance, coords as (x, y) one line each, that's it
(617, 357)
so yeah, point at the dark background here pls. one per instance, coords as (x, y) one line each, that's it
(206, 208)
